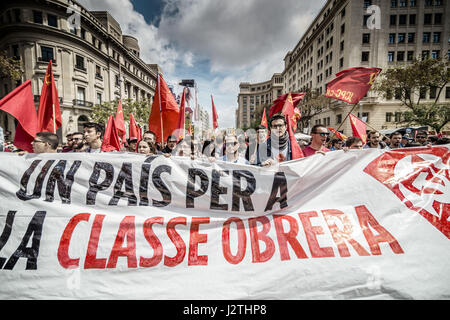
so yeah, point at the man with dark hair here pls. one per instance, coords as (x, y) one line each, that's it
(319, 134)
(422, 138)
(257, 144)
(373, 141)
(278, 145)
(171, 144)
(68, 146)
(45, 142)
(336, 144)
(150, 137)
(396, 140)
(78, 142)
(131, 146)
(93, 134)
(354, 143)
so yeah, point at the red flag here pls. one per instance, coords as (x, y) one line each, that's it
(297, 152)
(214, 115)
(358, 127)
(351, 85)
(264, 123)
(338, 134)
(120, 123)
(278, 103)
(49, 112)
(20, 104)
(111, 140)
(291, 113)
(134, 132)
(181, 117)
(163, 120)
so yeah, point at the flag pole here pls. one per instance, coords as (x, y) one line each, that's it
(354, 106)
(54, 118)
(160, 110)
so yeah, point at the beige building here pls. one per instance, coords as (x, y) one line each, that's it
(339, 38)
(93, 61)
(253, 95)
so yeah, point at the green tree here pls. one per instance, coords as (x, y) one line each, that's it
(310, 106)
(408, 83)
(140, 109)
(10, 67)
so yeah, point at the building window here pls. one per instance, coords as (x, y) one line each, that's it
(343, 28)
(427, 18)
(366, 38)
(423, 93)
(339, 118)
(98, 72)
(411, 37)
(52, 20)
(437, 2)
(402, 3)
(426, 37)
(447, 92)
(365, 56)
(393, 3)
(435, 54)
(412, 3)
(342, 45)
(402, 19)
(367, 3)
(425, 54)
(436, 37)
(401, 37)
(412, 19)
(37, 17)
(400, 55)
(398, 117)
(81, 96)
(428, 3)
(365, 18)
(341, 62)
(410, 55)
(79, 64)
(393, 20)
(17, 15)
(99, 98)
(388, 116)
(437, 18)
(47, 54)
(83, 34)
(390, 56)
(391, 38)
(433, 92)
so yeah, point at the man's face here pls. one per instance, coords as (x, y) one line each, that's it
(150, 138)
(132, 145)
(39, 146)
(421, 138)
(261, 135)
(375, 138)
(338, 145)
(171, 143)
(278, 127)
(77, 142)
(91, 135)
(396, 139)
(231, 144)
(356, 145)
(69, 141)
(320, 135)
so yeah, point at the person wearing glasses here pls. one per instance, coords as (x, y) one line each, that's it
(78, 144)
(422, 138)
(319, 134)
(278, 145)
(45, 142)
(231, 153)
(68, 146)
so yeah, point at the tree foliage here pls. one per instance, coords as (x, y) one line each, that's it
(140, 109)
(407, 82)
(10, 67)
(310, 106)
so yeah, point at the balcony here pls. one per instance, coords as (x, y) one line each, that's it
(82, 103)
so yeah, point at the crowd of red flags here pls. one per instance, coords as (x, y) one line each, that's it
(350, 85)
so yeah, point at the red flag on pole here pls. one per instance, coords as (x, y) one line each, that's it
(278, 103)
(111, 140)
(358, 127)
(297, 152)
(351, 85)
(338, 134)
(19, 103)
(264, 123)
(120, 123)
(181, 117)
(134, 132)
(214, 115)
(49, 112)
(293, 115)
(163, 120)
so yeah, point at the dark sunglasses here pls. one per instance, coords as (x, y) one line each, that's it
(420, 137)
(322, 134)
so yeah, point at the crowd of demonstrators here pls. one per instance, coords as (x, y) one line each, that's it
(260, 148)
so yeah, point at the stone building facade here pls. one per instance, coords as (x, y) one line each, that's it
(93, 61)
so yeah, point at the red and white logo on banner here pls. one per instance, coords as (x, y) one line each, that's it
(420, 178)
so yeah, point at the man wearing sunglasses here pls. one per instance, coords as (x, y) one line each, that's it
(319, 134)
(422, 138)
(232, 150)
(78, 144)
(45, 142)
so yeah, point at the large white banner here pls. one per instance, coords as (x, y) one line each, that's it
(364, 224)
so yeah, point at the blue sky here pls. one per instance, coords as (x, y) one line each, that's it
(219, 43)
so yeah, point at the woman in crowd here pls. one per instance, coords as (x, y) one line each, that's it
(144, 147)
